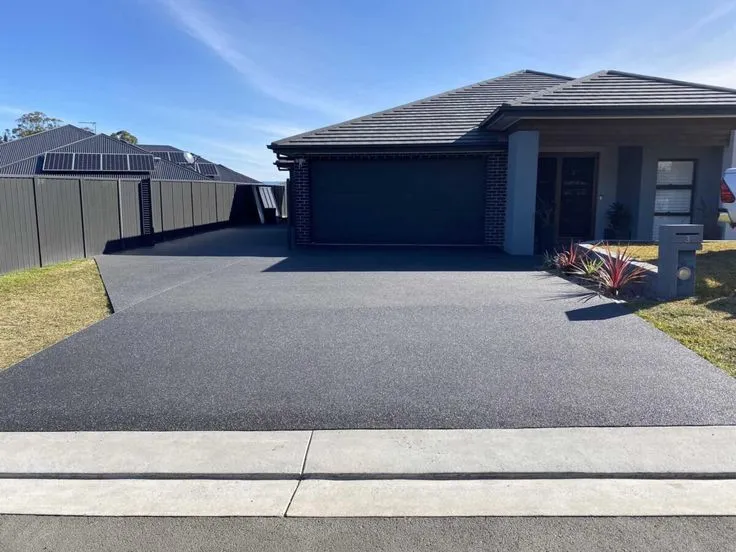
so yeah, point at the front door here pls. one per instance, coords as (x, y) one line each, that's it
(565, 199)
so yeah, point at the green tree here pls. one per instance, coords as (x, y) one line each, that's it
(33, 123)
(125, 136)
(5, 138)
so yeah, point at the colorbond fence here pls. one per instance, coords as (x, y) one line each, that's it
(48, 220)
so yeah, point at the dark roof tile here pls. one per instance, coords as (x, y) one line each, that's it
(616, 88)
(448, 118)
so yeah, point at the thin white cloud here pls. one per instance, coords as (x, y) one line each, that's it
(712, 16)
(11, 110)
(203, 26)
(718, 73)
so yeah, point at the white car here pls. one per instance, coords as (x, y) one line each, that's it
(727, 212)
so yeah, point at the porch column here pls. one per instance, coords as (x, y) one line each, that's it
(521, 192)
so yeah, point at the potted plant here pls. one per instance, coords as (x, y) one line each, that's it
(619, 222)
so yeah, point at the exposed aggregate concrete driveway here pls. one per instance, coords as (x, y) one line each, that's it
(230, 331)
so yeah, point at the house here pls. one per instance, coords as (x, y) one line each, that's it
(68, 193)
(515, 162)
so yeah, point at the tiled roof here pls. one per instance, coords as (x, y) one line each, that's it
(36, 144)
(617, 93)
(615, 88)
(26, 157)
(449, 118)
(229, 175)
(226, 174)
(152, 147)
(101, 143)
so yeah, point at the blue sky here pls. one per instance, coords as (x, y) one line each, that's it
(223, 78)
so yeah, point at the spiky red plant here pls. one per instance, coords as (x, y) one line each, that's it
(567, 259)
(618, 271)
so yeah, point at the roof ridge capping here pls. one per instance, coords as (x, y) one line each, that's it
(415, 102)
(554, 88)
(100, 136)
(670, 81)
(36, 134)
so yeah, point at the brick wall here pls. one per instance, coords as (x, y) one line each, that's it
(300, 203)
(495, 208)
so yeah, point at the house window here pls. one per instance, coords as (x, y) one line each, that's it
(674, 196)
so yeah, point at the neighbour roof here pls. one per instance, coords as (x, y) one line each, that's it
(24, 157)
(229, 175)
(100, 143)
(449, 118)
(225, 174)
(616, 92)
(37, 144)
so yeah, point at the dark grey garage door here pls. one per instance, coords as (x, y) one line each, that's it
(398, 201)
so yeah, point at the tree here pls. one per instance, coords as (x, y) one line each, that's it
(125, 136)
(33, 123)
(5, 138)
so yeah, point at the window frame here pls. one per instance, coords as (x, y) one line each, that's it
(691, 187)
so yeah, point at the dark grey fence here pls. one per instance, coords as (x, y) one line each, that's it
(47, 220)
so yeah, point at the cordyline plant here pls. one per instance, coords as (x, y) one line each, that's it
(567, 259)
(618, 271)
(588, 267)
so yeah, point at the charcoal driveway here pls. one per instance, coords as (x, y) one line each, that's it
(230, 331)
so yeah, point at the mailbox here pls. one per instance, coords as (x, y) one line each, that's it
(676, 268)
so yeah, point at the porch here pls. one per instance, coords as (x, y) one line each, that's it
(565, 175)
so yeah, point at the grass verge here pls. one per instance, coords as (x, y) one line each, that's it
(41, 306)
(705, 323)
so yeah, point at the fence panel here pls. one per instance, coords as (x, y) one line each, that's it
(211, 202)
(167, 205)
(59, 210)
(225, 194)
(197, 203)
(177, 204)
(186, 193)
(101, 216)
(18, 233)
(130, 210)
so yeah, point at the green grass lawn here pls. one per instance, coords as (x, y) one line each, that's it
(41, 306)
(705, 323)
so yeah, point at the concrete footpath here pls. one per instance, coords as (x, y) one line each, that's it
(686, 471)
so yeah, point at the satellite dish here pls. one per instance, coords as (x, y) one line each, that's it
(189, 157)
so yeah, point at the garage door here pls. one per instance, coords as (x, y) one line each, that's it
(402, 201)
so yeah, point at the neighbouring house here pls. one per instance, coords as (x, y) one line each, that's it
(517, 162)
(68, 193)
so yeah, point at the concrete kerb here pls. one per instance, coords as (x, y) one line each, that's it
(565, 471)
(695, 451)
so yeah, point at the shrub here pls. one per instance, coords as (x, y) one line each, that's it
(618, 272)
(567, 259)
(588, 267)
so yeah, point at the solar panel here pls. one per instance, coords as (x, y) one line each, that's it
(87, 162)
(116, 162)
(58, 162)
(207, 169)
(177, 157)
(140, 162)
(162, 154)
